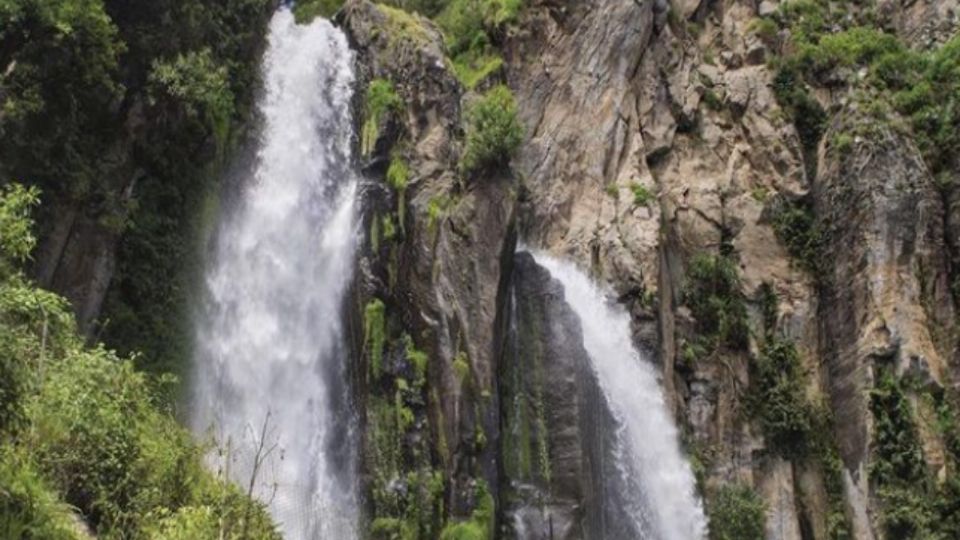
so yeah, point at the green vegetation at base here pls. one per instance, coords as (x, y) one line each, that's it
(494, 133)
(480, 524)
(82, 429)
(736, 512)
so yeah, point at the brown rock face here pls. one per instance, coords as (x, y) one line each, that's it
(886, 299)
(443, 278)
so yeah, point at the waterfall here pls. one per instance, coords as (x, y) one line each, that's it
(270, 382)
(658, 486)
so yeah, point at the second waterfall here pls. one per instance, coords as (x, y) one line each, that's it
(270, 380)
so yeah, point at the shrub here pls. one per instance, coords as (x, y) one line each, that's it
(493, 131)
(712, 292)
(736, 512)
(778, 399)
(641, 195)
(480, 524)
(29, 510)
(795, 225)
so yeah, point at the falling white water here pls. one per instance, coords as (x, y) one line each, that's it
(661, 499)
(270, 357)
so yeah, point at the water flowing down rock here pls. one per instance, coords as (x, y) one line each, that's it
(270, 372)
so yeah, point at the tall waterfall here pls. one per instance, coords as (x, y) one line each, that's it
(270, 381)
(659, 496)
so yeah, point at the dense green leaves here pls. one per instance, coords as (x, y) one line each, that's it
(80, 426)
(493, 131)
(712, 291)
(736, 512)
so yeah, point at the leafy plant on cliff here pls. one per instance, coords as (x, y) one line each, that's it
(736, 512)
(778, 399)
(712, 292)
(381, 99)
(494, 132)
(795, 226)
(307, 10)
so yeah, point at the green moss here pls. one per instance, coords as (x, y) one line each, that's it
(480, 524)
(398, 175)
(418, 359)
(473, 68)
(461, 367)
(380, 100)
(375, 334)
(736, 512)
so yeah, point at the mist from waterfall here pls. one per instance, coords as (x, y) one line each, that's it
(656, 482)
(270, 379)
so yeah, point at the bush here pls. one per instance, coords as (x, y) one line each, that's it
(641, 195)
(712, 292)
(29, 510)
(736, 512)
(493, 131)
(93, 435)
(778, 399)
(795, 225)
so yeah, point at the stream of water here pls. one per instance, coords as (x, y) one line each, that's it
(659, 493)
(269, 382)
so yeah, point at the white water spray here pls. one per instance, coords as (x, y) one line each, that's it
(661, 499)
(270, 361)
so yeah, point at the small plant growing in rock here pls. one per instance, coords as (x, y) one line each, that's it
(493, 131)
(642, 196)
(381, 98)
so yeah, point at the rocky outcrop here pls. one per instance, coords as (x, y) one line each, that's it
(556, 428)
(443, 275)
(886, 300)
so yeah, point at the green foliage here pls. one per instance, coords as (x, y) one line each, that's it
(16, 228)
(381, 100)
(712, 292)
(196, 85)
(808, 116)
(736, 512)
(92, 435)
(471, 28)
(642, 196)
(307, 10)
(795, 226)
(480, 524)
(29, 510)
(398, 174)
(375, 334)
(493, 131)
(778, 399)
(473, 67)
(417, 358)
(898, 470)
